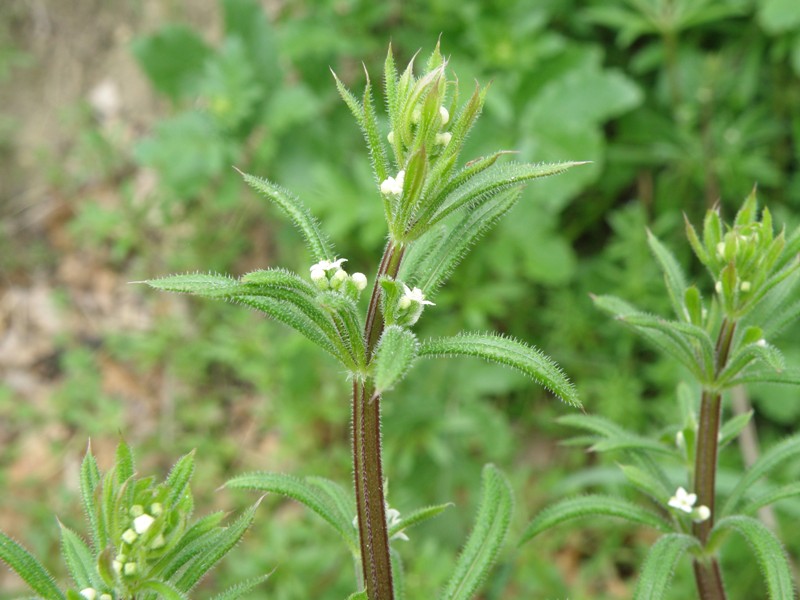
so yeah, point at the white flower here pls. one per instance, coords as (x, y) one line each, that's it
(89, 593)
(701, 513)
(392, 519)
(360, 281)
(142, 523)
(117, 566)
(129, 536)
(129, 568)
(412, 295)
(683, 500)
(393, 186)
(762, 343)
(444, 114)
(443, 138)
(327, 265)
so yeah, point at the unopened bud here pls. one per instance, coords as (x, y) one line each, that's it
(360, 281)
(129, 536)
(444, 114)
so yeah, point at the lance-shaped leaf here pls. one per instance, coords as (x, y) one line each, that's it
(192, 543)
(487, 537)
(593, 505)
(481, 188)
(345, 316)
(611, 435)
(223, 543)
(179, 477)
(298, 214)
(731, 429)
(431, 266)
(303, 492)
(646, 482)
(89, 483)
(79, 559)
(746, 355)
(240, 589)
(368, 122)
(673, 274)
(199, 284)
(781, 493)
(662, 335)
(509, 352)
(396, 351)
(398, 575)
(788, 376)
(32, 572)
(659, 566)
(779, 453)
(418, 516)
(768, 550)
(358, 596)
(164, 590)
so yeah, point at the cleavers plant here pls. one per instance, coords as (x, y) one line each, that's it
(435, 211)
(142, 542)
(723, 342)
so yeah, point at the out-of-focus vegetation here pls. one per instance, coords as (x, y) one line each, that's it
(678, 103)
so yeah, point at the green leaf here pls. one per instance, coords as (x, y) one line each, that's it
(508, 352)
(615, 437)
(673, 274)
(779, 453)
(240, 589)
(786, 491)
(199, 284)
(297, 213)
(429, 267)
(768, 550)
(593, 505)
(164, 590)
(659, 566)
(224, 543)
(89, 483)
(336, 496)
(395, 353)
(358, 596)
(179, 477)
(486, 539)
(482, 188)
(303, 492)
(760, 351)
(646, 482)
(731, 429)
(788, 376)
(418, 516)
(32, 572)
(247, 21)
(173, 59)
(78, 558)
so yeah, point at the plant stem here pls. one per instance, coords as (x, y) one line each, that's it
(373, 536)
(707, 573)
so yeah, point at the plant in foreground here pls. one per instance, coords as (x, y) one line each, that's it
(723, 343)
(435, 211)
(142, 542)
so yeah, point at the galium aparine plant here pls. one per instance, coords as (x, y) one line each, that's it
(723, 341)
(435, 211)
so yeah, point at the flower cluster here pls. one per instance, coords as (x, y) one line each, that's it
(393, 186)
(410, 306)
(329, 275)
(124, 562)
(685, 502)
(93, 594)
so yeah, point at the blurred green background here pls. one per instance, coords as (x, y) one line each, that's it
(119, 123)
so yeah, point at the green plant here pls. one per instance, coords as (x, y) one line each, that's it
(722, 344)
(143, 543)
(434, 213)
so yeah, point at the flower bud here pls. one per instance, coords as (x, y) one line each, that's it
(89, 593)
(142, 523)
(444, 114)
(360, 281)
(443, 138)
(129, 536)
(129, 568)
(390, 137)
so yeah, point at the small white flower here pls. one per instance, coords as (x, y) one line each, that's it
(412, 295)
(360, 281)
(443, 138)
(444, 114)
(392, 519)
(683, 500)
(117, 566)
(339, 278)
(129, 568)
(390, 137)
(762, 343)
(129, 536)
(89, 593)
(142, 523)
(701, 513)
(327, 265)
(745, 286)
(393, 186)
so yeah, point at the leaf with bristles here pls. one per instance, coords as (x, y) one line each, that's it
(32, 572)
(394, 355)
(298, 214)
(238, 590)
(673, 274)
(487, 537)
(89, 483)
(79, 559)
(659, 566)
(509, 352)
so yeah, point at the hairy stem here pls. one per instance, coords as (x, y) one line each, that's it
(373, 536)
(707, 573)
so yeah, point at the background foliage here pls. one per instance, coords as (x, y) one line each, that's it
(678, 103)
